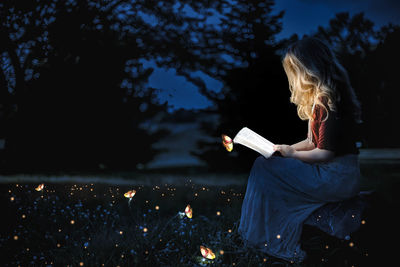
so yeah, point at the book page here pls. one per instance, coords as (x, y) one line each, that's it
(254, 141)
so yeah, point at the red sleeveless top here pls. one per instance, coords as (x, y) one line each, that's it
(336, 133)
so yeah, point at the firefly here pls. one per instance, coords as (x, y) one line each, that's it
(207, 253)
(40, 187)
(227, 142)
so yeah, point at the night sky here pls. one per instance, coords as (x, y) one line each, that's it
(301, 17)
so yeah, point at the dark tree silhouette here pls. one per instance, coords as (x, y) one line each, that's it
(256, 92)
(367, 55)
(380, 90)
(74, 85)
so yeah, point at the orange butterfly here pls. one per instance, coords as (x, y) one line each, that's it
(188, 211)
(130, 194)
(207, 253)
(227, 142)
(40, 187)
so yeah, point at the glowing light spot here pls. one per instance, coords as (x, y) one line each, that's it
(23, 216)
(218, 213)
(221, 252)
(363, 222)
(15, 237)
(72, 222)
(157, 207)
(58, 245)
(81, 264)
(264, 260)
(278, 236)
(229, 230)
(145, 230)
(121, 232)
(351, 244)
(12, 198)
(326, 246)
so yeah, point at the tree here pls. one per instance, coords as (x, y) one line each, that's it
(256, 92)
(74, 71)
(365, 53)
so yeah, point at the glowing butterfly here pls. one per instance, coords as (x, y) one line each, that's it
(188, 211)
(130, 194)
(227, 142)
(40, 187)
(207, 253)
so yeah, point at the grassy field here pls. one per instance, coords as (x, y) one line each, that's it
(93, 224)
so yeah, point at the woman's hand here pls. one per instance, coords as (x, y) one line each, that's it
(286, 150)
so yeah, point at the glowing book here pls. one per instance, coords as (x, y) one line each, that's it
(251, 139)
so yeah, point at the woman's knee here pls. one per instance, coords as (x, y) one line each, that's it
(262, 162)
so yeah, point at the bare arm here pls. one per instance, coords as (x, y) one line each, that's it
(303, 145)
(314, 156)
(311, 156)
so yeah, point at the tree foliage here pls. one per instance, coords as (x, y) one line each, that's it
(73, 82)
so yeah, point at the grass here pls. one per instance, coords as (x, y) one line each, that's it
(95, 225)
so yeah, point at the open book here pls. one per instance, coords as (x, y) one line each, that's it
(254, 141)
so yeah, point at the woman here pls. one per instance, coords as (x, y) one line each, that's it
(282, 192)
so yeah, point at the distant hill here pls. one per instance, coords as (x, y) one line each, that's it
(185, 132)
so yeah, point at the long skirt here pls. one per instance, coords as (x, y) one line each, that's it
(282, 194)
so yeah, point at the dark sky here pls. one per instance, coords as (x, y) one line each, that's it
(301, 17)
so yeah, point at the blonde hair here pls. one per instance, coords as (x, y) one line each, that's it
(316, 77)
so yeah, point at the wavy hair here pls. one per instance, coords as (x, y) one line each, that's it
(316, 76)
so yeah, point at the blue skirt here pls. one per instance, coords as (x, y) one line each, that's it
(282, 194)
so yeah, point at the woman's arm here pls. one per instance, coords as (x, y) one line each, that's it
(311, 156)
(303, 145)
